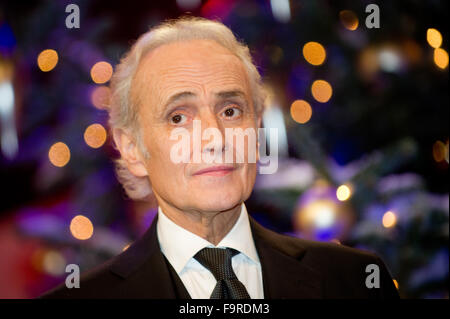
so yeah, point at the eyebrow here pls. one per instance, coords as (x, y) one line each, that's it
(187, 94)
(179, 96)
(229, 94)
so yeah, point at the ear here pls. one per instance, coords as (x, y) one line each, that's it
(130, 152)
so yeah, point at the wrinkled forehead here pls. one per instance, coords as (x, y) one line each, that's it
(199, 65)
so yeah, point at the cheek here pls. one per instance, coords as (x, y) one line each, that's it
(251, 173)
(159, 161)
(247, 176)
(249, 148)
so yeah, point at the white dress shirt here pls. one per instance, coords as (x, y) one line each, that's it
(180, 246)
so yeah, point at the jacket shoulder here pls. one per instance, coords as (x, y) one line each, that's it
(344, 269)
(295, 247)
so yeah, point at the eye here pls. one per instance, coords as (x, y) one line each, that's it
(232, 112)
(178, 119)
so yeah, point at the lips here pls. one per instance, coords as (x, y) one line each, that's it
(215, 171)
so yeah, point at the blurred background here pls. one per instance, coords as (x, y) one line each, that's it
(362, 110)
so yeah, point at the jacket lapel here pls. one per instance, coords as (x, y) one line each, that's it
(285, 274)
(144, 269)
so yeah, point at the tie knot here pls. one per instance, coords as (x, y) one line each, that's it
(217, 261)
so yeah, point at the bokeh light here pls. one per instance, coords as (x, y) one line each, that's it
(314, 53)
(412, 51)
(440, 58)
(439, 151)
(395, 283)
(446, 151)
(47, 60)
(101, 72)
(59, 154)
(349, 19)
(275, 53)
(53, 263)
(434, 38)
(368, 63)
(301, 111)
(95, 135)
(321, 214)
(389, 219)
(281, 10)
(100, 97)
(81, 227)
(321, 91)
(391, 59)
(6, 70)
(343, 193)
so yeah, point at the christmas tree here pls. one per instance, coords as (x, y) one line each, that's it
(361, 107)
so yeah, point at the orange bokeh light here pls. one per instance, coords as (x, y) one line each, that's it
(95, 135)
(349, 19)
(100, 97)
(439, 151)
(389, 219)
(47, 60)
(314, 53)
(321, 91)
(440, 58)
(81, 227)
(434, 38)
(343, 193)
(301, 111)
(59, 154)
(101, 72)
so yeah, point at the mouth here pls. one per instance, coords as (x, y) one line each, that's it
(215, 171)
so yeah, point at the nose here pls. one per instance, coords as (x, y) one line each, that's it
(213, 133)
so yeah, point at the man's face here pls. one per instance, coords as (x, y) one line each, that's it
(175, 85)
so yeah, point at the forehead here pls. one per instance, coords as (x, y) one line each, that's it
(197, 65)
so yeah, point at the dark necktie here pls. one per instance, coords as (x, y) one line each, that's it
(218, 262)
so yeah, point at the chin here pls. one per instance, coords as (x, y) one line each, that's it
(219, 200)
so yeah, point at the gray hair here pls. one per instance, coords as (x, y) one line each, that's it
(123, 110)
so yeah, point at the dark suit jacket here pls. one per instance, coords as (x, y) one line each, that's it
(292, 268)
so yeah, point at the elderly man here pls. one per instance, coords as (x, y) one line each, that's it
(203, 243)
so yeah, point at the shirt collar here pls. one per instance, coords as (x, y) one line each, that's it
(180, 245)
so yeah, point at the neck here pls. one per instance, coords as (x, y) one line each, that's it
(211, 226)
